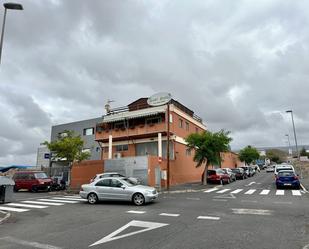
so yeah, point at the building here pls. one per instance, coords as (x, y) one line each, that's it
(84, 128)
(133, 140)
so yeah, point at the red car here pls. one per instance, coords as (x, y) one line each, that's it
(217, 176)
(32, 180)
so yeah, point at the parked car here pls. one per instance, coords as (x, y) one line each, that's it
(217, 176)
(113, 174)
(32, 180)
(246, 169)
(118, 189)
(240, 173)
(230, 173)
(281, 167)
(251, 171)
(287, 179)
(270, 168)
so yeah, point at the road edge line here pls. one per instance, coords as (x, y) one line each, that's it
(7, 216)
(304, 189)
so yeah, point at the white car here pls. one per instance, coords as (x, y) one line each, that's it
(281, 167)
(113, 174)
(270, 169)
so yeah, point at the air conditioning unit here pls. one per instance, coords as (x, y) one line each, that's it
(117, 155)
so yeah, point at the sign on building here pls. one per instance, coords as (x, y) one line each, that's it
(159, 99)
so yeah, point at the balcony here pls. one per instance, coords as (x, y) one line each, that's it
(132, 132)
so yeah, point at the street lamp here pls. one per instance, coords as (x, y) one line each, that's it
(290, 111)
(290, 151)
(10, 6)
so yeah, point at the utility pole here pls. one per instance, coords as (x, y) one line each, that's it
(168, 146)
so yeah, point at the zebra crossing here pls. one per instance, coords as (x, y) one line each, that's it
(262, 192)
(40, 203)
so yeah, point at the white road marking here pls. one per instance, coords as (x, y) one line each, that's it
(283, 202)
(236, 191)
(249, 201)
(19, 210)
(25, 205)
(251, 211)
(250, 184)
(193, 198)
(296, 192)
(250, 191)
(223, 191)
(69, 199)
(44, 203)
(208, 218)
(265, 192)
(136, 223)
(219, 200)
(61, 201)
(136, 212)
(29, 243)
(280, 192)
(168, 214)
(210, 190)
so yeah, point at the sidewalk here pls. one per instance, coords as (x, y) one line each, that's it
(188, 187)
(305, 173)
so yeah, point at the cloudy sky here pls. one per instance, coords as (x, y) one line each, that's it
(238, 64)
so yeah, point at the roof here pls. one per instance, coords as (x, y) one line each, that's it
(7, 168)
(134, 114)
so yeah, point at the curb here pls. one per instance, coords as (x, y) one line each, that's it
(7, 215)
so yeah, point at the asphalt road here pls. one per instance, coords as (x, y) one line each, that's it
(244, 214)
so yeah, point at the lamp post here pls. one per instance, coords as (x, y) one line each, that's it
(297, 153)
(290, 151)
(11, 6)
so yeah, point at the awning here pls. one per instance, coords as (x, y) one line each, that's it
(133, 114)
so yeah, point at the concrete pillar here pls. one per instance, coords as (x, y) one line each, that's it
(160, 146)
(110, 147)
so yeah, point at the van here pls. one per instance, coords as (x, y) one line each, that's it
(281, 167)
(32, 180)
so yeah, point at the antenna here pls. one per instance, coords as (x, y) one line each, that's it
(108, 106)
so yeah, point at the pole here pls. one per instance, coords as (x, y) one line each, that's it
(168, 146)
(2, 33)
(289, 143)
(295, 136)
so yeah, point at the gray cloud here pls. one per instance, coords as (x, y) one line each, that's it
(238, 64)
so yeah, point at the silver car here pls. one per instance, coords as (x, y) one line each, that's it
(116, 188)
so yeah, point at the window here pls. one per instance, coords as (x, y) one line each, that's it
(196, 130)
(187, 126)
(188, 152)
(119, 125)
(105, 149)
(154, 120)
(123, 147)
(104, 183)
(115, 183)
(180, 123)
(88, 131)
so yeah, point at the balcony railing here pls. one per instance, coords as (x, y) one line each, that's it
(131, 131)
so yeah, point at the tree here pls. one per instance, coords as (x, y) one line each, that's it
(207, 146)
(276, 155)
(248, 154)
(68, 147)
(303, 152)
